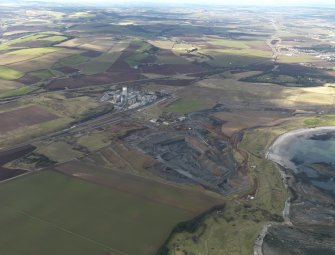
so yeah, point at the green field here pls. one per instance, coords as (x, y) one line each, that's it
(50, 213)
(18, 92)
(44, 36)
(98, 64)
(59, 151)
(248, 52)
(327, 120)
(296, 59)
(186, 106)
(38, 36)
(139, 54)
(72, 60)
(7, 73)
(228, 43)
(235, 53)
(88, 65)
(230, 59)
(4, 47)
(94, 141)
(55, 38)
(34, 51)
(43, 74)
(282, 79)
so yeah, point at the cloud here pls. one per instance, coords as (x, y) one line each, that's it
(209, 2)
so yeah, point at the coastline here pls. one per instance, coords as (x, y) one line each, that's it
(284, 139)
(284, 166)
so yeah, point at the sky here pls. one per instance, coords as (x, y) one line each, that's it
(209, 2)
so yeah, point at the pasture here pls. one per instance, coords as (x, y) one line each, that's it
(72, 60)
(24, 54)
(22, 117)
(33, 51)
(118, 177)
(7, 73)
(43, 74)
(235, 52)
(99, 64)
(38, 61)
(50, 213)
(18, 91)
(237, 44)
(186, 106)
(232, 58)
(138, 51)
(239, 120)
(94, 141)
(58, 151)
(6, 85)
(297, 59)
(237, 92)
(34, 40)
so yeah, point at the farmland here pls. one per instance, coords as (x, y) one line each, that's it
(9, 85)
(42, 74)
(33, 39)
(190, 201)
(22, 117)
(7, 73)
(186, 106)
(18, 92)
(145, 130)
(108, 230)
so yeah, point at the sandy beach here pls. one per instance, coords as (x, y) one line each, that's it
(277, 150)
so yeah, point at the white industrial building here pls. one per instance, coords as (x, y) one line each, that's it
(128, 99)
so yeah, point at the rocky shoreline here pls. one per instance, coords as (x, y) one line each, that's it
(309, 213)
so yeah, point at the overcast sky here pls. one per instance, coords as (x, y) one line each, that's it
(214, 2)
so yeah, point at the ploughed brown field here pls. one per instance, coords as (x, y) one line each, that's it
(22, 117)
(6, 173)
(119, 72)
(67, 70)
(91, 54)
(28, 79)
(9, 155)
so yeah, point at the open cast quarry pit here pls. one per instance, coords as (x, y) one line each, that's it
(190, 153)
